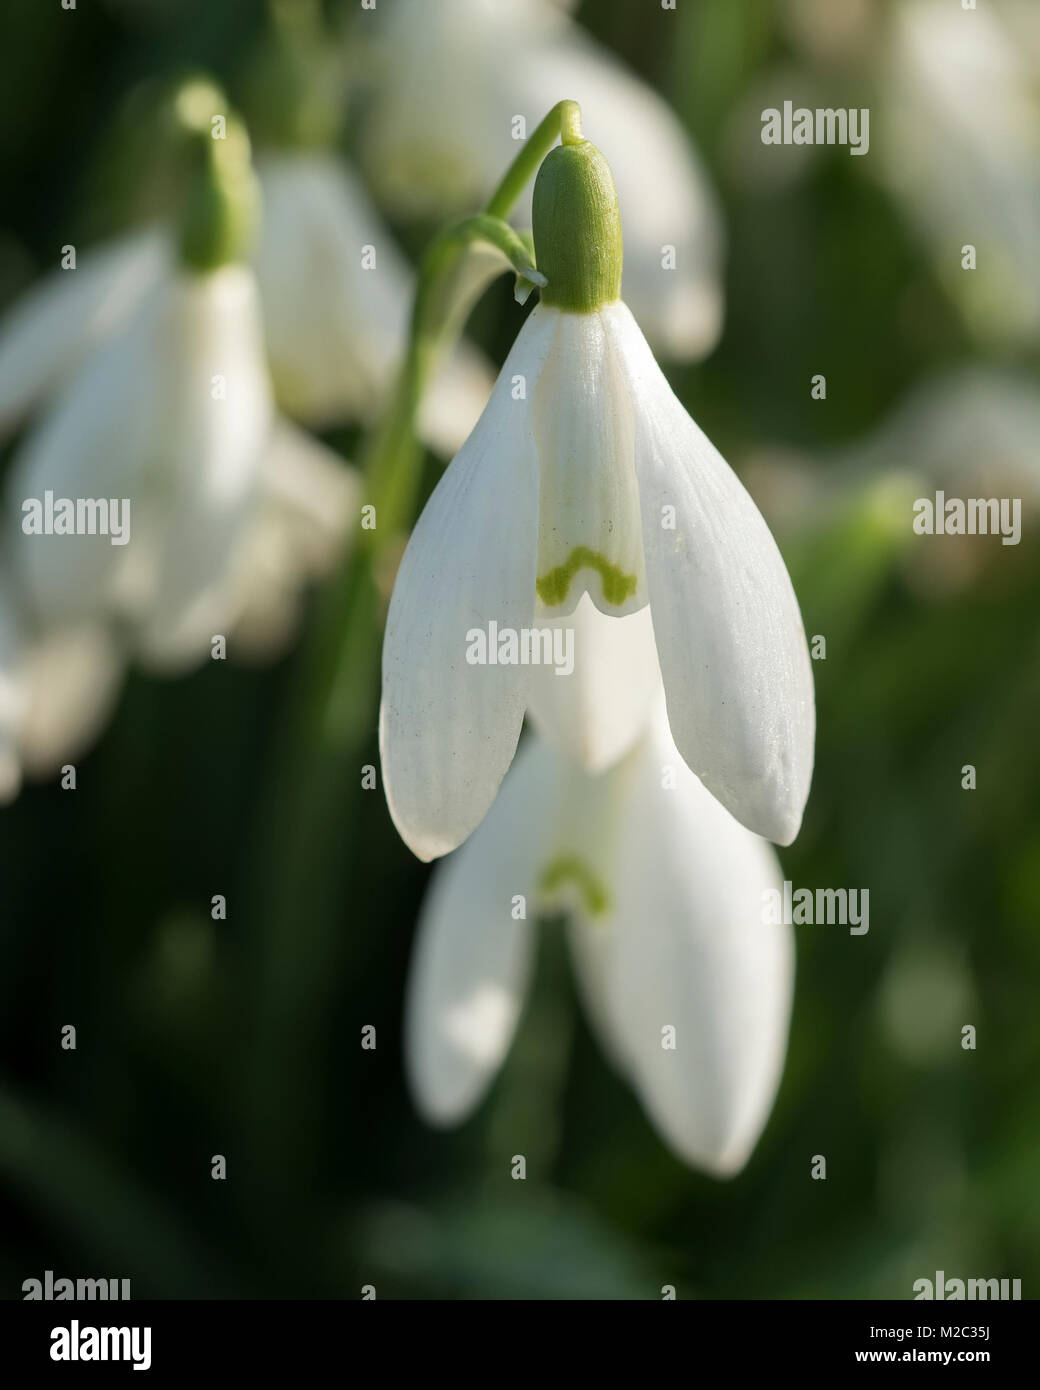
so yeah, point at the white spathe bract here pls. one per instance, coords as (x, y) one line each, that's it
(586, 477)
(517, 57)
(665, 892)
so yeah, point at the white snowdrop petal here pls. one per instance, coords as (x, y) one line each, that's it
(732, 648)
(335, 329)
(12, 698)
(337, 297)
(589, 537)
(594, 712)
(48, 331)
(448, 728)
(472, 956)
(97, 440)
(686, 958)
(309, 499)
(206, 486)
(72, 678)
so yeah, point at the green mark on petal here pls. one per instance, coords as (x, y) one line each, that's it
(568, 868)
(617, 586)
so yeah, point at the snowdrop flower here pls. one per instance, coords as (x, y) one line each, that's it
(169, 422)
(961, 110)
(434, 143)
(334, 332)
(585, 475)
(337, 296)
(688, 990)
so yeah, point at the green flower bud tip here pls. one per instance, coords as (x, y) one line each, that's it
(577, 224)
(222, 206)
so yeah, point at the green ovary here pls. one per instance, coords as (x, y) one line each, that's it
(617, 586)
(568, 868)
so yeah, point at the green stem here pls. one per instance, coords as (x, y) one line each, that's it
(561, 119)
(312, 809)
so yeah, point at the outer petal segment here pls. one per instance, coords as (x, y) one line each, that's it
(684, 947)
(736, 667)
(472, 959)
(448, 728)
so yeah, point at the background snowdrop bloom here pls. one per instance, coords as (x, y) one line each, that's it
(337, 297)
(434, 143)
(57, 688)
(665, 894)
(334, 331)
(11, 700)
(173, 414)
(967, 81)
(59, 322)
(586, 476)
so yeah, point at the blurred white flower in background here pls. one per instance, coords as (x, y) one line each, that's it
(337, 331)
(449, 79)
(969, 432)
(57, 323)
(11, 698)
(57, 689)
(959, 146)
(299, 531)
(173, 413)
(665, 895)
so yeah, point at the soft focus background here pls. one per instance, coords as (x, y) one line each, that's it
(242, 1037)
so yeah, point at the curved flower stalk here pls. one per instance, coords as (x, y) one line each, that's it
(586, 476)
(433, 144)
(687, 989)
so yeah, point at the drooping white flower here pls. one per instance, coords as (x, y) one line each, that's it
(337, 296)
(335, 291)
(687, 988)
(175, 414)
(960, 114)
(452, 79)
(585, 475)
